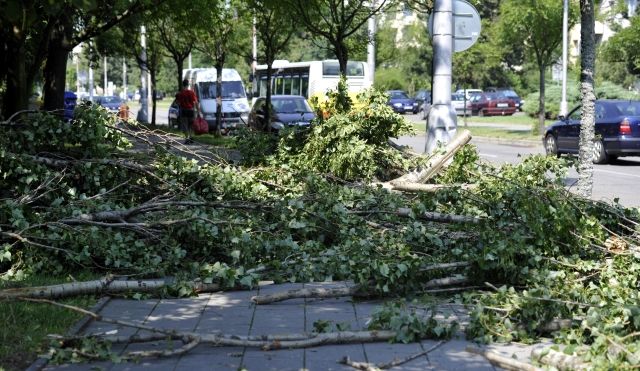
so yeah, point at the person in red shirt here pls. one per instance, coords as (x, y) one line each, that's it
(188, 104)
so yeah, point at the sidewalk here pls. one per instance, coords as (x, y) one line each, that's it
(233, 313)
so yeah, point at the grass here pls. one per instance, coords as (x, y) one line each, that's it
(492, 132)
(506, 120)
(24, 326)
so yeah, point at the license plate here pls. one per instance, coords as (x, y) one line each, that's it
(502, 105)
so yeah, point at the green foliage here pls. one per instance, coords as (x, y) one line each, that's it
(255, 146)
(411, 324)
(553, 95)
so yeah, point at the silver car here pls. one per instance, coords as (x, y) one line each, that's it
(457, 103)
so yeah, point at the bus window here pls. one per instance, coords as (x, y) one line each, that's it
(262, 86)
(332, 68)
(287, 84)
(279, 85)
(295, 85)
(304, 85)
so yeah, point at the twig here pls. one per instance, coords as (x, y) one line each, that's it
(383, 366)
(502, 361)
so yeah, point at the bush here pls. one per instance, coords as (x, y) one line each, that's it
(553, 94)
(390, 79)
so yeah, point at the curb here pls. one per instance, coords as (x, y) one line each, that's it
(41, 363)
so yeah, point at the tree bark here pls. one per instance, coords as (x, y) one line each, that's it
(342, 54)
(153, 72)
(267, 106)
(219, 65)
(541, 108)
(180, 67)
(587, 122)
(16, 96)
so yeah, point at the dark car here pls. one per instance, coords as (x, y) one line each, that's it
(509, 93)
(172, 117)
(70, 100)
(491, 104)
(110, 102)
(422, 97)
(287, 111)
(400, 102)
(617, 129)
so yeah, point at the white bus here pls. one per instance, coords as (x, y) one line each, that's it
(310, 79)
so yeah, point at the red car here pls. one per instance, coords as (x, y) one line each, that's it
(491, 104)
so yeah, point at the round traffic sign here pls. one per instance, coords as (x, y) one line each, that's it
(466, 25)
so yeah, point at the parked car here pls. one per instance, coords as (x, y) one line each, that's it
(617, 129)
(110, 102)
(172, 116)
(509, 93)
(287, 111)
(422, 97)
(490, 104)
(458, 102)
(400, 102)
(70, 100)
(469, 92)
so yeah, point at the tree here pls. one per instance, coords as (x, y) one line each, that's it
(335, 21)
(274, 29)
(537, 25)
(215, 35)
(587, 93)
(624, 47)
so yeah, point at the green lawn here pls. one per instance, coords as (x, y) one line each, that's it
(24, 326)
(483, 131)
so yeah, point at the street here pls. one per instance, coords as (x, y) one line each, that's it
(616, 180)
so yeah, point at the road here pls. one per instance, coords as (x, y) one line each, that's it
(617, 180)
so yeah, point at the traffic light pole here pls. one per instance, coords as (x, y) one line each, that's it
(441, 121)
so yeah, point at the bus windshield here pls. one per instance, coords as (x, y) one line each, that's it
(230, 90)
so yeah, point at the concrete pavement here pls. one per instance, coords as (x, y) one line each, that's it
(233, 313)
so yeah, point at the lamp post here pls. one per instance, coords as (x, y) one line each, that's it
(441, 121)
(565, 22)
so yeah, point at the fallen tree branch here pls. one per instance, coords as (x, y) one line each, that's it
(502, 361)
(447, 281)
(451, 265)
(365, 366)
(427, 215)
(105, 285)
(316, 293)
(429, 188)
(558, 360)
(436, 162)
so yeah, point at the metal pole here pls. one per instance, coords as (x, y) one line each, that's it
(144, 103)
(76, 57)
(124, 79)
(441, 121)
(190, 61)
(565, 21)
(371, 46)
(104, 90)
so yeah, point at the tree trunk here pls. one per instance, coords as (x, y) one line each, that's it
(587, 122)
(342, 54)
(267, 106)
(219, 65)
(55, 74)
(541, 109)
(16, 95)
(180, 67)
(153, 73)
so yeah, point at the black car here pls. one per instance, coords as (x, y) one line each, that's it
(400, 102)
(421, 97)
(287, 111)
(617, 129)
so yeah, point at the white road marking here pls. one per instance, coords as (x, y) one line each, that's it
(616, 173)
(488, 155)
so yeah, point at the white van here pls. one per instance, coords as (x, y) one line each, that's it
(235, 107)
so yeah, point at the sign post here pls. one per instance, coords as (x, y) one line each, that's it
(453, 26)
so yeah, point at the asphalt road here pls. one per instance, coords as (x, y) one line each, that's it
(617, 180)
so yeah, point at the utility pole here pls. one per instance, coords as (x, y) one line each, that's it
(254, 51)
(104, 90)
(565, 21)
(441, 121)
(371, 46)
(144, 103)
(124, 79)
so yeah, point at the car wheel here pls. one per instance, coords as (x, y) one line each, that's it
(550, 145)
(599, 154)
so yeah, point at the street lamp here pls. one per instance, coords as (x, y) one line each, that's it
(565, 22)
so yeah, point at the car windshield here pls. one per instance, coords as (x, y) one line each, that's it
(230, 90)
(398, 95)
(291, 105)
(455, 97)
(104, 100)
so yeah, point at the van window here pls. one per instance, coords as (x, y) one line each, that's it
(230, 90)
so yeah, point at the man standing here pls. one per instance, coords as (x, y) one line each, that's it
(188, 104)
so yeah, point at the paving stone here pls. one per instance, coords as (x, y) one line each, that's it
(327, 357)
(385, 353)
(452, 355)
(179, 314)
(80, 367)
(160, 364)
(269, 321)
(339, 313)
(206, 357)
(278, 360)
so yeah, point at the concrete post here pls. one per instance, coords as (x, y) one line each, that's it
(371, 47)
(441, 121)
(564, 109)
(143, 115)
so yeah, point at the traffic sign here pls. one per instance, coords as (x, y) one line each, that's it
(466, 25)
